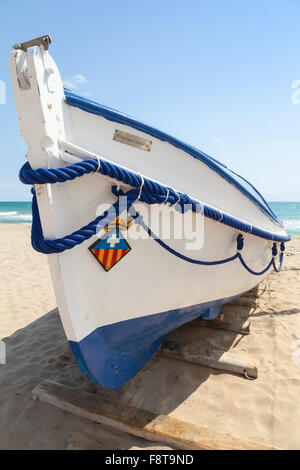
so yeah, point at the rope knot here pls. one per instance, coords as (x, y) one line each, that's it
(274, 250)
(117, 191)
(282, 247)
(240, 243)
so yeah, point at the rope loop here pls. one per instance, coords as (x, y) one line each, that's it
(240, 242)
(178, 200)
(274, 250)
(141, 186)
(150, 191)
(147, 191)
(167, 197)
(99, 164)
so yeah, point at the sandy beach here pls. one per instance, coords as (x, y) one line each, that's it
(265, 410)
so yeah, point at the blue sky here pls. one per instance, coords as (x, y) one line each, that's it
(217, 74)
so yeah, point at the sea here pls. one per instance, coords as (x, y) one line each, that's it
(15, 212)
(20, 213)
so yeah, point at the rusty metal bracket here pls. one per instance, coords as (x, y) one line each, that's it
(44, 41)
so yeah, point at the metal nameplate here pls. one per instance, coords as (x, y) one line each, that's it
(133, 140)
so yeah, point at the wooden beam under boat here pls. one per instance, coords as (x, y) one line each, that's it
(139, 422)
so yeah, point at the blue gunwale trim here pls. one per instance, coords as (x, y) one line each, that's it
(113, 115)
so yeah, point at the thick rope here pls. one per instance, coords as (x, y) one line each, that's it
(59, 245)
(151, 192)
(47, 246)
(41, 176)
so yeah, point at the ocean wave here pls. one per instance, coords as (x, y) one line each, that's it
(292, 226)
(292, 223)
(14, 216)
(8, 213)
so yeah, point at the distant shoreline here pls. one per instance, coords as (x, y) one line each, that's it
(13, 212)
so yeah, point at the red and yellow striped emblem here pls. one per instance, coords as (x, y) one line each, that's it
(110, 249)
(108, 258)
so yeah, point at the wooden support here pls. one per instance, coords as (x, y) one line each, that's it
(138, 422)
(210, 358)
(220, 324)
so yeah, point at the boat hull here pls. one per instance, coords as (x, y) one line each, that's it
(113, 354)
(116, 318)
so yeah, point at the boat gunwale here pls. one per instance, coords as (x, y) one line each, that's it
(93, 107)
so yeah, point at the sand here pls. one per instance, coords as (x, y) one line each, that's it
(26, 289)
(266, 410)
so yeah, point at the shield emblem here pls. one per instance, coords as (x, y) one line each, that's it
(110, 249)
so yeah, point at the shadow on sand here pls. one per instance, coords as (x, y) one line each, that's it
(40, 351)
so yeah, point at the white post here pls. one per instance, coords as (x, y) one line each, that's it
(39, 96)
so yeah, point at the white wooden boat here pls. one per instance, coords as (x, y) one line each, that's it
(116, 318)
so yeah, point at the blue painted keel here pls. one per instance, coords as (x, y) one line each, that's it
(113, 354)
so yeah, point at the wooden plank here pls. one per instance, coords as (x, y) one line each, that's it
(214, 358)
(139, 422)
(220, 324)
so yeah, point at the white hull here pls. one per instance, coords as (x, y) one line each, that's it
(149, 280)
